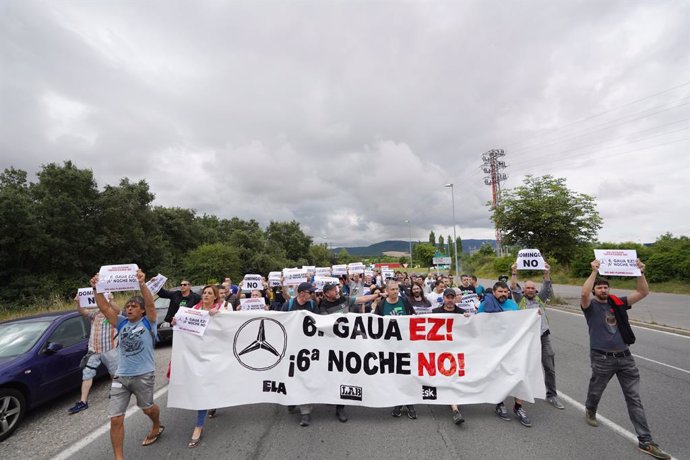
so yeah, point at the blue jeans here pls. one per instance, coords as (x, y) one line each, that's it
(603, 369)
(201, 418)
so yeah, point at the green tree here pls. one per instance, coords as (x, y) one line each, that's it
(423, 254)
(544, 214)
(442, 245)
(290, 237)
(210, 262)
(319, 255)
(432, 238)
(343, 256)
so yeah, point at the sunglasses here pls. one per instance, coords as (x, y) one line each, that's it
(184, 284)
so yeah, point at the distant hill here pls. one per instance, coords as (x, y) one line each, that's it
(378, 249)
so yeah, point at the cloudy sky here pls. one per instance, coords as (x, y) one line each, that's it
(350, 116)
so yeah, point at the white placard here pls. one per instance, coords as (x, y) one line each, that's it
(469, 302)
(322, 271)
(355, 268)
(116, 278)
(387, 273)
(274, 279)
(156, 283)
(339, 270)
(320, 281)
(369, 272)
(294, 277)
(421, 310)
(617, 262)
(191, 321)
(436, 359)
(252, 282)
(530, 259)
(309, 268)
(87, 299)
(253, 304)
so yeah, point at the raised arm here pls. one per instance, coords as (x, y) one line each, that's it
(546, 287)
(642, 289)
(513, 277)
(589, 284)
(103, 304)
(149, 304)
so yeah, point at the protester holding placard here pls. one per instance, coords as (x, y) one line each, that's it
(210, 302)
(449, 307)
(136, 369)
(184, 297)
(526, 298)
(466, 286)
(478, 288)
(498, 301)
(418, 300)
(396, 305)
(102, 349)
(609, 336)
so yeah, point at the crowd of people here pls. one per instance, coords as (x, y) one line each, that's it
(133, 369)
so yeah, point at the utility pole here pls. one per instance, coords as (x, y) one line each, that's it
(492, 166)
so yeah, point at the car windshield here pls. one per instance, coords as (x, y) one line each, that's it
(18, 338)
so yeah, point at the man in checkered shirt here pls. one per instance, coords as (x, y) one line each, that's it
(102, 349)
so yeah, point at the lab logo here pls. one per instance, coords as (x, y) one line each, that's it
(350, 392)
(429, 392)
(260, 344)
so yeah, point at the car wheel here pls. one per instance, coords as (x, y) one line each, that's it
(12, 406)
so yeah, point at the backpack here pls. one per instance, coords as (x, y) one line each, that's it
(312, 305)
(147, 325)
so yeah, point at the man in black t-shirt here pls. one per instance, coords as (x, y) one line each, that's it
(609, 337)
(449, 306)
(333, 302)
(466, 286)
(184, 297)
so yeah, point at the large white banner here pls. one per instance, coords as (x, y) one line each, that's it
(295, 358)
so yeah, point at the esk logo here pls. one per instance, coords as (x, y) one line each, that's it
(429, 392)
(260, 344)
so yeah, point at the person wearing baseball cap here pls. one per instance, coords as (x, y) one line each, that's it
(335, 302)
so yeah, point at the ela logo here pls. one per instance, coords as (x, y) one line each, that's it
(350, 392)
(429, 392)
(271, 386)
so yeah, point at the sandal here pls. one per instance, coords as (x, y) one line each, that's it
(194, 442)
(151, 439)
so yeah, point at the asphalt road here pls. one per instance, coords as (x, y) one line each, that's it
(267, 431)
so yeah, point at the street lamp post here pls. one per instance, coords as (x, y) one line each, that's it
(409, 227)
(455, 237)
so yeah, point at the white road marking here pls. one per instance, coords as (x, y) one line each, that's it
(603, 420)
(105, 428)
(633, 325)
(662, 364)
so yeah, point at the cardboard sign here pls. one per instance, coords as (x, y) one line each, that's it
(253, 304)
(116, 278)
(322, 271)
(309, 268)
(87, 299)
(191, 321)
(617, 262)
(156, 283)
(368, 272)
(355, 268)
(469, 302)
(339, 270)
(320, 281)
(294, 277)
(274, 279)
(252, 282)
(530, 259)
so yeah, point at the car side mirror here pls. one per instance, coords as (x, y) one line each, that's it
(53, 347)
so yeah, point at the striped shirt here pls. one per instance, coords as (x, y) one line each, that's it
(102, 338)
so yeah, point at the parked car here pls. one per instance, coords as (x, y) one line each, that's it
(39, 361)
(165, 332)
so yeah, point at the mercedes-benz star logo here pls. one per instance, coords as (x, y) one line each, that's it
(256, 352)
